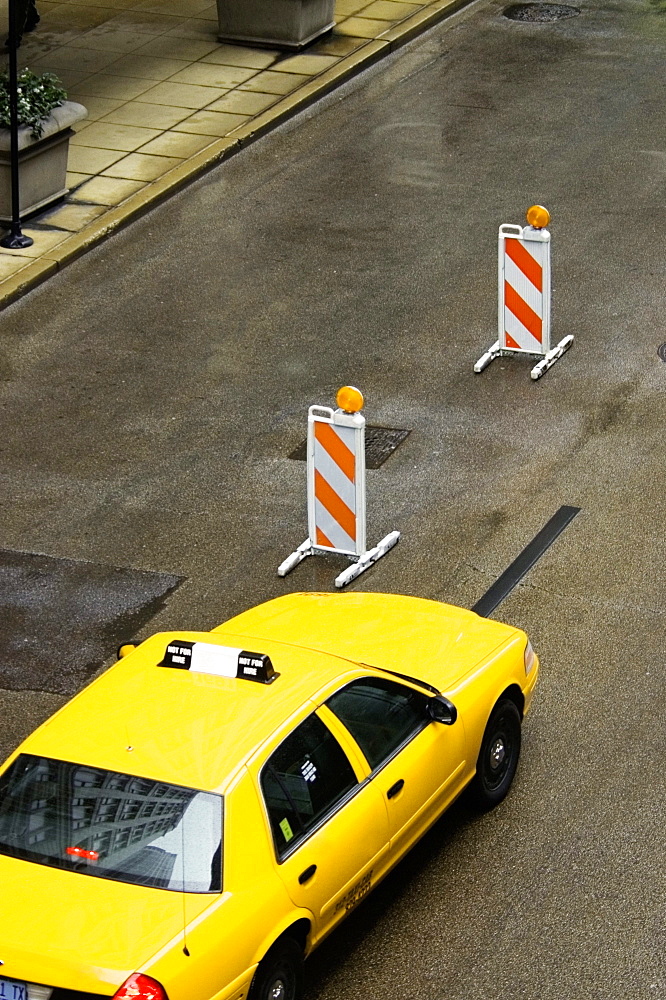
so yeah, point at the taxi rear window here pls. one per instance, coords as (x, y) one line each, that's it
(111, 825)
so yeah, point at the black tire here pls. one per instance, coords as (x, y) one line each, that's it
(498, 757)
(279, 975)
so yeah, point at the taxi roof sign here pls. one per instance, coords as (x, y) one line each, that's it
(222, 661)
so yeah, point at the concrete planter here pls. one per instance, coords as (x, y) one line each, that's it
(283, 24)
(42, 162)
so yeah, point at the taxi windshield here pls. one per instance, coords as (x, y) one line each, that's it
(111, 825)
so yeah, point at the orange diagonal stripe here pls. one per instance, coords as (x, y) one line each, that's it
(522, 311)
(524, 261)
(510, 342)
(323, 540)
(336, 507)
(337, 449)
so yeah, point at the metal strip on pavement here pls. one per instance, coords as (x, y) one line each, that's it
(532, 552)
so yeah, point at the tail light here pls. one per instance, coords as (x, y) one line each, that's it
(140, 987)
(81, 852)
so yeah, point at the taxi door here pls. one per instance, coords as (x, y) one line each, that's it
(329, 825)
(417, 764)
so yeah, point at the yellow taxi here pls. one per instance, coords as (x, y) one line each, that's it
(194, 822)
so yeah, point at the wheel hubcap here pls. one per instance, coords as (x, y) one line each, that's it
(278, 991)
(497, 753)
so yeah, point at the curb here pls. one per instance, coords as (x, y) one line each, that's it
(15, 286)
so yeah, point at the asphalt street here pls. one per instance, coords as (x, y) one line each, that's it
(151, 394)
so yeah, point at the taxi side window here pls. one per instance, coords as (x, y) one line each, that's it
(303, 780)
(380, 714)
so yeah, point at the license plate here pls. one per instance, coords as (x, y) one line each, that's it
(12, 989)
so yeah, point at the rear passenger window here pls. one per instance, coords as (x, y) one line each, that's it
(380, 714)
(303, 780)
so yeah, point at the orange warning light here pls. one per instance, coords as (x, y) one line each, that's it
(349, 399)
(538, 216)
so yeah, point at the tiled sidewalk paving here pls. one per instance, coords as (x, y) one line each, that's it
(161, 90)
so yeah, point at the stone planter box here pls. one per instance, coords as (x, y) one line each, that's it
(283, 24)
(42, 162)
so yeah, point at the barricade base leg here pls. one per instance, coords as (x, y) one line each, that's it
(490, 355)
(367, 559)
(302, 552)
(551, 357)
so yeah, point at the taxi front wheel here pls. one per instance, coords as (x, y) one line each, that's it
(279, 975)
(498, 757)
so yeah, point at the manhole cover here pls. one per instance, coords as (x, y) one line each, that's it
(380, 442)
(60, 619)
(661, 351)
(540, 11)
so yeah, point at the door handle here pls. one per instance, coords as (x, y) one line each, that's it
(394, 789)
(307, 874)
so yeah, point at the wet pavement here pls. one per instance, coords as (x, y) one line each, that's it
(166, 101)
(151, 396)
(59, 618)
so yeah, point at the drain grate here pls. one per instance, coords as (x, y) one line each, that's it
(540, 11)
(661, 351)
(380, 443)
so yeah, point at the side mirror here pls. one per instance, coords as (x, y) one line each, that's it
(440, 709)
(125, 650)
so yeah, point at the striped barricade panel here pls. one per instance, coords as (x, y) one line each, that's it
(524, 289)
(336, 480)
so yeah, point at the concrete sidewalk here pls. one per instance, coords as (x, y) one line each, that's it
(166, 102)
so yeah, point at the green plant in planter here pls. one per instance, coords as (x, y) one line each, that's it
(37, 97)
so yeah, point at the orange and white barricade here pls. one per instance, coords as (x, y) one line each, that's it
(336, 488)
(523, 314)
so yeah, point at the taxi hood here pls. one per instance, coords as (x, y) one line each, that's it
(436, 642)
(67, 929)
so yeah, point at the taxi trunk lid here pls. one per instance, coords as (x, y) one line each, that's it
(79, 932)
